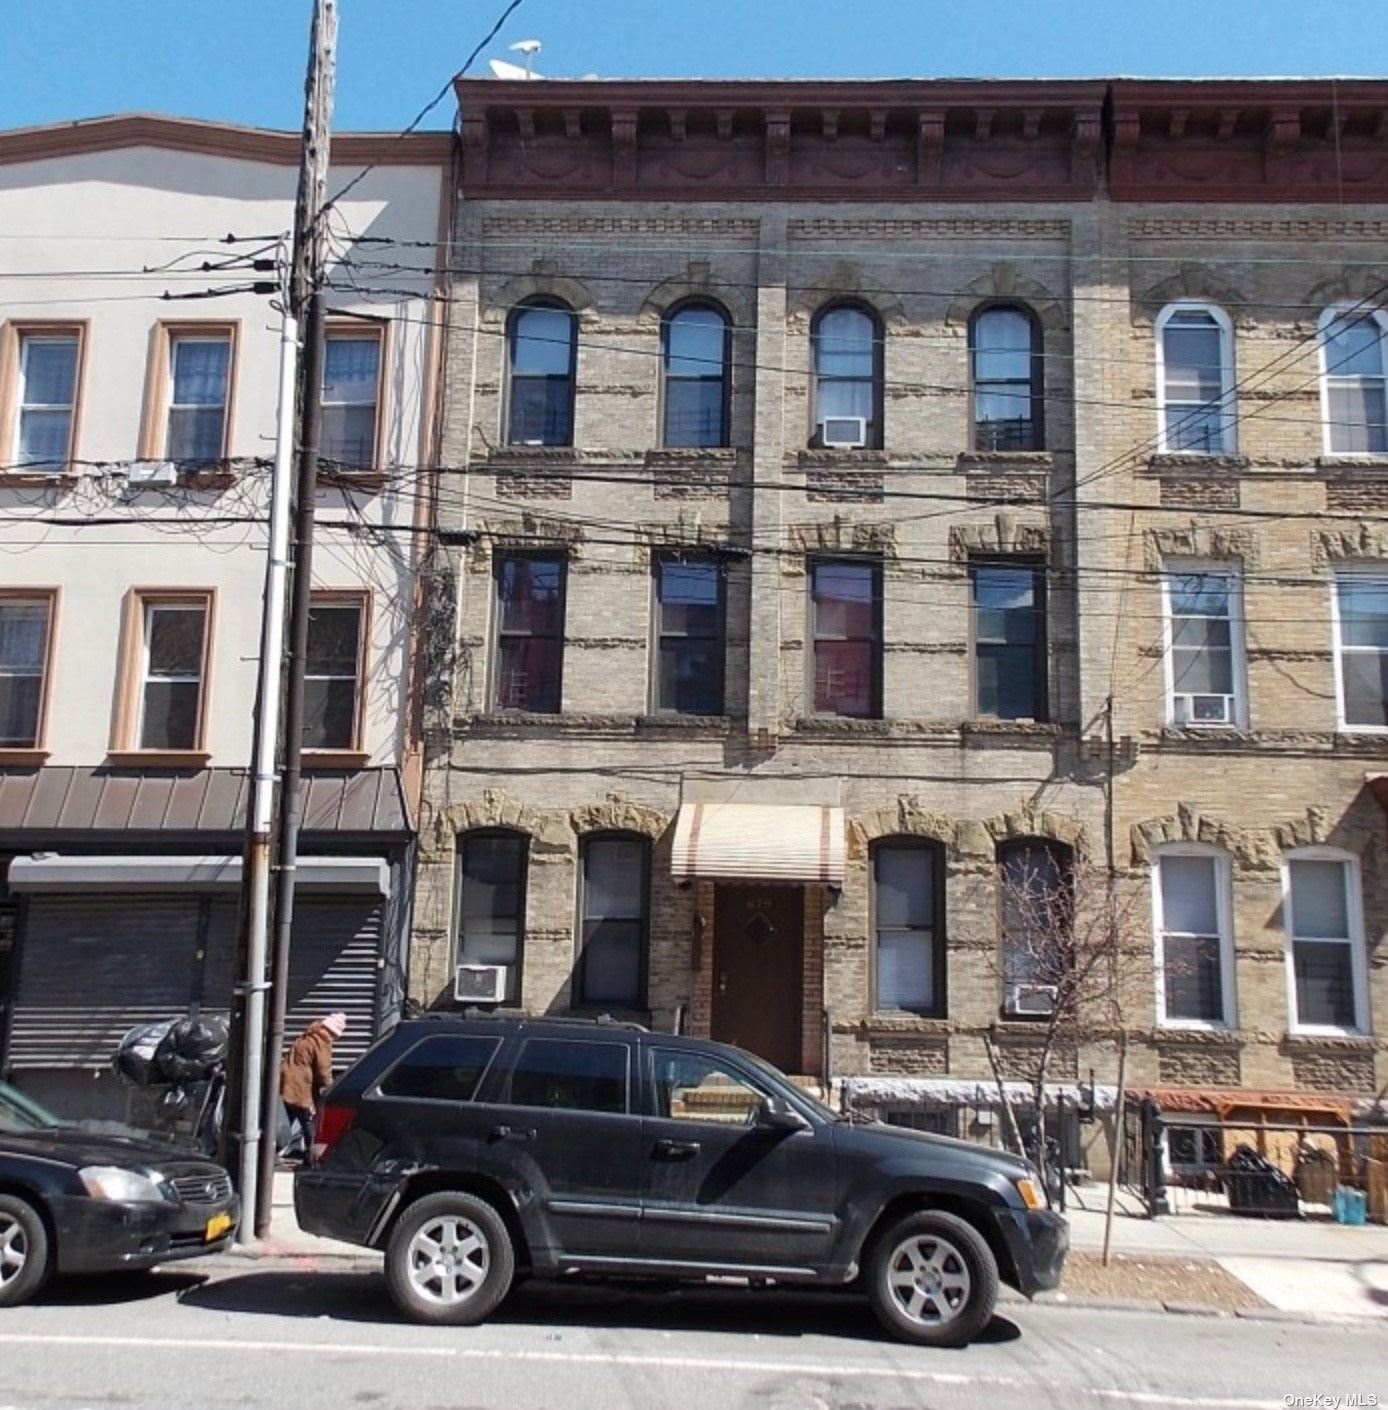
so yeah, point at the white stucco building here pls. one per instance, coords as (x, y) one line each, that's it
(135, 436)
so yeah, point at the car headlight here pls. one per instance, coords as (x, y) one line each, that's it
(127, 1186)
(1030, 1193)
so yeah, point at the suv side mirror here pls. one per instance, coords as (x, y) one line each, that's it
(776, 1114)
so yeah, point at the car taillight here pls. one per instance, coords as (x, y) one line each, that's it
(330, 1125)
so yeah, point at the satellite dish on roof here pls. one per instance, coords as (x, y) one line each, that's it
(528, 47)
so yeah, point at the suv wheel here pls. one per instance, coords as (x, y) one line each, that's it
(449, 1259)
(23, 1250)
(933, 1280)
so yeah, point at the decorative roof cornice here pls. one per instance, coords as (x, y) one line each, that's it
(907, 139)
(260, 144)
(1256, 140)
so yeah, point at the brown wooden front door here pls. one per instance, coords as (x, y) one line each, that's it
(758, 963)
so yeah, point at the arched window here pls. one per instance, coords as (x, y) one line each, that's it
(542, 346)
(908, 925)
(847, 346)
(1036, 912)
(1195, 379)
(1354, 371)
(489, 915)
(1193, 909)
(1322, 911)
(695, 338)
(614, 912)
(1005, 366)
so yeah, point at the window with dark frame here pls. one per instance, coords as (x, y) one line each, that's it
(351, 390)
(696, 376)
(489, 902)
(441, 1069)
(615, 919)
(173, 644)
(25, 624)
(530, 632)
(332, 676)
(1005, 362)
(1009, 638)
(690, 648)
(564, 1075)
(1036, 915)
(846, 345)
(908, 940)
(542, 353)
(846, 626)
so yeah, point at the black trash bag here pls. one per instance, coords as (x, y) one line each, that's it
(135, 1057)
(192, 1050)
(1245, 1158)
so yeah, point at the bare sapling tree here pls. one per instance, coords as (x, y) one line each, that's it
(1071, 966)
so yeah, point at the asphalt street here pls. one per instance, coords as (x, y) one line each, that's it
(259, 1336)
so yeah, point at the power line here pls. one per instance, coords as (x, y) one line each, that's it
(430, 105)
(948, 389)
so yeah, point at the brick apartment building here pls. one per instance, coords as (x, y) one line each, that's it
(822, 459)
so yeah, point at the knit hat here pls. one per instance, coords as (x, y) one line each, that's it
(336, 1024)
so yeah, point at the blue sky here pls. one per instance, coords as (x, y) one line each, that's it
(242, 60)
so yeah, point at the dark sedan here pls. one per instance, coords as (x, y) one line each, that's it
(74, 1201)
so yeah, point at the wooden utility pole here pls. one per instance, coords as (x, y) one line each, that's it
(307, 305)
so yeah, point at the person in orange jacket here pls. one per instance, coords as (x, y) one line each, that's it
(306, 1073)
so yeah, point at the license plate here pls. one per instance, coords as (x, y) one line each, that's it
(218, 1225)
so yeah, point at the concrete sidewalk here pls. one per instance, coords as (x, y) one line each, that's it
(1297, 1265)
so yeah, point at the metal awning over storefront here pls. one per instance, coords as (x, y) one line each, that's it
(759, 842)
(55, 873)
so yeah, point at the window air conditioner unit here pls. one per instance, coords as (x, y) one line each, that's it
(844, 432)
(153, 472)
(480, 983)
(1031, 999)
(1191, 709)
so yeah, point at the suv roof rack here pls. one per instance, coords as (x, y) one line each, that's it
(601, 1020)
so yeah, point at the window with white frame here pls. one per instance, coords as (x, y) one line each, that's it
(47, 404)
(1195, 959)
(172, 667)
(199, 391)
(351, 391)
(1361, 650)
(1354, 361)
(1325, 952)
(1204, 638)
(1195, 379)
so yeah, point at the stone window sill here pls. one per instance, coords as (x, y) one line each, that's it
(335, 758)
(1374, 462)
(995, 462)
(23, 758)
(1193, 462)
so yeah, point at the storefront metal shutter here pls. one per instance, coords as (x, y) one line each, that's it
(334, 965)
(90, 970)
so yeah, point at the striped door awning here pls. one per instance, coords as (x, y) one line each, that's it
(759, 842)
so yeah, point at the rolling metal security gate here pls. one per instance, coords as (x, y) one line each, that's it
(91, 969)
